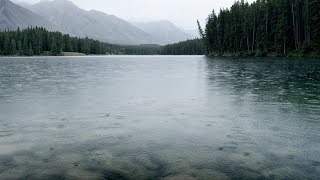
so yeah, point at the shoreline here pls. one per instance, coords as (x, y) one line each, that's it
(226, 55)
(94, 55)
(269, 55)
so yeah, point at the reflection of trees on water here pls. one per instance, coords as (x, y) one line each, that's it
(279, 100)
(270, 80)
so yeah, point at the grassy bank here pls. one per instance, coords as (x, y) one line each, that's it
(72, 54)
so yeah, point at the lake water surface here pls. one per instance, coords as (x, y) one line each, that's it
(159, 117)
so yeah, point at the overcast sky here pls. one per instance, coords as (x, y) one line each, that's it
(184, 13)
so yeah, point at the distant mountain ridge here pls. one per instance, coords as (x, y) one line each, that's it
(164, 32)
(13, 16)
(66, 17)
(93, 24)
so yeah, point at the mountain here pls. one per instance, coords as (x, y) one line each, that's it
(93, 24)
(164, 32)
(22, 3)
(66, 17)
(193, 32)
(117, 28)
(13, 16)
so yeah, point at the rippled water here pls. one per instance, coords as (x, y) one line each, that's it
(159, 117)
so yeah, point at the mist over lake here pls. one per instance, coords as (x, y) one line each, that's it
(159, 117)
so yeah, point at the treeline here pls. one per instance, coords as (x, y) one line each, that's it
(39, 41)
(189, 47)
(147, 49)
(278, 27)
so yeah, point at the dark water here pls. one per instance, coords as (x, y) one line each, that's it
(159, 118)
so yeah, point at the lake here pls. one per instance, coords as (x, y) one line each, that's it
(159, 117)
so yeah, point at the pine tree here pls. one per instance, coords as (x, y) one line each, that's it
(20, 48)
(13, 47)
(54, 48)
(85, 46)
(30, 50)
(265, 26)
(315, 23)
(202, 35)
(25, 48)
(7, 47)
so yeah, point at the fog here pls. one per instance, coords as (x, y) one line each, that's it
(184, 13)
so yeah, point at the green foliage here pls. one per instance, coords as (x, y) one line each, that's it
(315, 23)
(264, 27)
(145, 49)
(189, 47)
(200, 29)
(13, 47)
(30, 51)
(39, 41)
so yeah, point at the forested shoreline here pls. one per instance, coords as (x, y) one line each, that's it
(188, 47)
(264, 28)
(278, 28)
(37, 41)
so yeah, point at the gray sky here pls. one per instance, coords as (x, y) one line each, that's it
(184, 13)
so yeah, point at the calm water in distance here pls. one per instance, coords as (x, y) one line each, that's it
(159, 117)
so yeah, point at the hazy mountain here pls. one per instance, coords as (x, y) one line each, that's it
(94, 24)
(193, 32)
(13, 16)
(118, 29)
(164, 32)
(22, 3)
(64, 16)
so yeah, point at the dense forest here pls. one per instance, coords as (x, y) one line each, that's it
(145, 49)
(38, 41)
(189, 47)
(264, 27)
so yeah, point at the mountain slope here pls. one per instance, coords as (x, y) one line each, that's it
(13, 16)
(164, 32)
(22, 3)
(118, 29)
(94, 24)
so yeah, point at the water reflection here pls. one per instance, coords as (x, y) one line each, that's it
(273, 80)
(159, 118)
(275, 106)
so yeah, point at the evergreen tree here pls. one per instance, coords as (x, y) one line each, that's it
(265, 26)
(30, 51)
(25, 46)
(13, 47)
(35, 41)
(315, 23)
(6, 45)
(85, 46)
(53, 47)
(20, 49)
